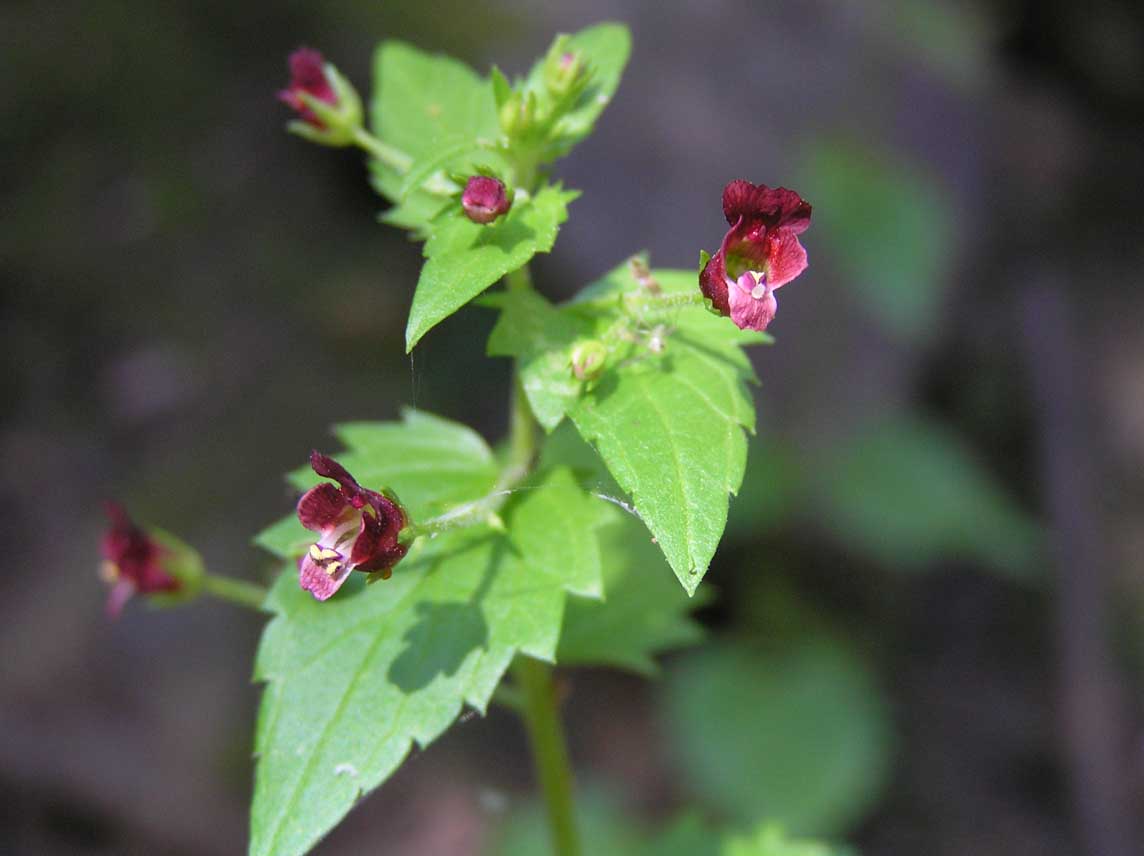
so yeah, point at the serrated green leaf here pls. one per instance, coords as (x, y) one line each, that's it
(670, 428)
(644, 614)
(803, 734)
(605, 48)
(423, 102)
(464, 258)
(353, 682)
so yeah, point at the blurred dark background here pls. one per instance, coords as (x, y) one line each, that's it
(927, 635)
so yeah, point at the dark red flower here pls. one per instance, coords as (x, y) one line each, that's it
(485, 199)
(308, 75)
(358, 530)
(132, 561)
(760, 252)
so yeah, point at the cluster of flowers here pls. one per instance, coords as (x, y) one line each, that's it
(360, 529)
(759, 254)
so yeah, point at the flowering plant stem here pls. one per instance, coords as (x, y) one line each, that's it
(536, 694)
(549, 751)
(238, 592)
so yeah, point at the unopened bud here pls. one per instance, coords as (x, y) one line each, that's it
(588, 359)
(328, 106)
(518, 114)
(564, 69)
(485, 199)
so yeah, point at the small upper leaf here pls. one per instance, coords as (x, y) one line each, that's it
(604, 48)
(465, 258)
(427, 105)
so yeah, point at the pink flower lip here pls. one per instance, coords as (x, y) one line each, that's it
(132, 561)
(307, 75)
(358, 530)
(761, 245)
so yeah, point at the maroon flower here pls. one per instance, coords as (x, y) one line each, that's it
(358, 529)
(308, 75)
(485, 199)
(132, 562)
(759, 254)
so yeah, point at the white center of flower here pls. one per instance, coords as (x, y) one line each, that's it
(760, 289)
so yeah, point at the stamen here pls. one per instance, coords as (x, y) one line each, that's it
(319, 554)
(333, 568)
(108, 571)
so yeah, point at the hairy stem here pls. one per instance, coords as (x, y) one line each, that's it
(240, 592)
(642, 302)
(549, 751)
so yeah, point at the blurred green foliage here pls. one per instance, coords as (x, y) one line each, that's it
(796, 731)
(886, 226)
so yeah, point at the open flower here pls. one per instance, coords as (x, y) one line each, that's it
(329, 108)
(133, 562)
(760, 252)
(358, 530)
(484, 199)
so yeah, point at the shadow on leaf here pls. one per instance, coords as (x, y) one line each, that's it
(438, 643)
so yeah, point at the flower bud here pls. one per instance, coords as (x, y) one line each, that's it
(329, 108)
(485, 199)
(518, 114)
(150, 563)
(564, 69)
(588, 359)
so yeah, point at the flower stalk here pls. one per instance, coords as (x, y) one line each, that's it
(238, 592)
(391, 156)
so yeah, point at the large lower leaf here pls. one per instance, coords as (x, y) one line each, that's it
(464, 258)
(353, 682)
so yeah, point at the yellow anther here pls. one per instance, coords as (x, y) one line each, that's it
(333, 568)
(108, 571)
(321, 555)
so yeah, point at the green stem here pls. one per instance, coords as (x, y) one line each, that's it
(392, 157)
(238, 592)
(639, 302)
(549, 752)
(533, 689)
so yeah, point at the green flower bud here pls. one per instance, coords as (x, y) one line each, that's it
(588, 359)
(564, 68)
